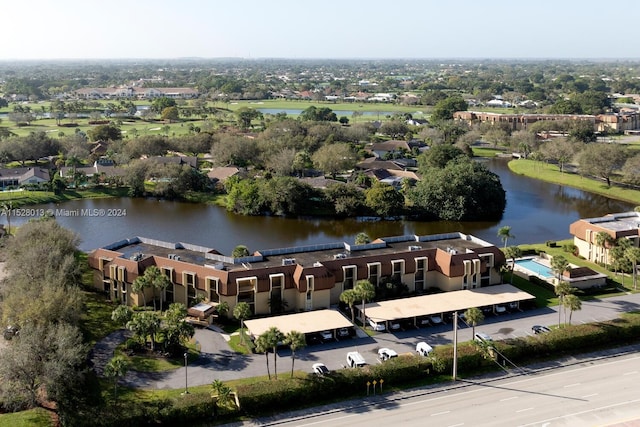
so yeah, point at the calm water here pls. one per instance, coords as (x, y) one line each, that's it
(536, 212)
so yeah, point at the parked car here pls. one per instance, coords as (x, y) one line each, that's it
(394, 325)
(320, 369)
(355, 360)
(377, 326)
(435, 319)
(423, 348)
(500, 309)
(326, 335)
(386, 354)
(344, 333)
(539, 329)
(424, 321)
(482, 337)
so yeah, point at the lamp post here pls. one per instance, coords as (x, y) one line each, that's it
(186, 389)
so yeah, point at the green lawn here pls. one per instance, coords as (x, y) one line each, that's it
(551, 173)
(25, 198)
(285, 104)
(32, 418)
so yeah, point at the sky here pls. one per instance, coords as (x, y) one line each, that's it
(115, 29)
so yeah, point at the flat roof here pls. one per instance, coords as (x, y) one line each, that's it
(425, 305)
(307, 322)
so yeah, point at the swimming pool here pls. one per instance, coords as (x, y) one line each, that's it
(534, 266)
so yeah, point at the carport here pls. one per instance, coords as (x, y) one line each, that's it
(308, 322)
(416, 307)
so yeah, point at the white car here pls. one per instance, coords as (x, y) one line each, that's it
(320, 369)
(326, 335)
(377, 326)
(482, 337)
(423, 348)
(394, 325)
(500, 309)
(386, 354)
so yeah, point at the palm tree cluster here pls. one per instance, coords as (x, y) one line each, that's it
(271, 339)
(363, 291)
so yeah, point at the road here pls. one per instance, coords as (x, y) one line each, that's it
(596, 392)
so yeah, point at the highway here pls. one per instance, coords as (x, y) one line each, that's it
(596, 392)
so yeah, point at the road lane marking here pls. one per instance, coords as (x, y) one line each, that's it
(456, 425)
(571, 385)
(524, 410)
(589, 395)
(548, 420)
(630, 373)
(440, 413)
(508, 398)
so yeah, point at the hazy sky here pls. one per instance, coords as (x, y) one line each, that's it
(65, 29)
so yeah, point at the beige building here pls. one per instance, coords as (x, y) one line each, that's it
(617, 226)
(307, 277)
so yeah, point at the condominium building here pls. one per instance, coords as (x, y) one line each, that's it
(616, 226)
(306, 277)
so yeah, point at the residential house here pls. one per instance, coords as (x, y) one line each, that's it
(306, 277)
(17, 177)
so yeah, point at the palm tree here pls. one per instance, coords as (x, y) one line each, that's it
(573, 303)
(505, 234)
(272, 338)
(116, 367)
(473, 316)
(295, 340)
(242, 311)
(223, 309)
(365, 291)
(350, 297)
(617, 253)
(7, 209)
(262, 346)
(512, 252)
(562, 289)
(633, 255)
(602, 240)
(138, 286)
(240, 251)
(221, 395)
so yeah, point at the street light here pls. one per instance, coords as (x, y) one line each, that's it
(186, 389)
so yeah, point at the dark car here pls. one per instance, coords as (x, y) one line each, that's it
(539, 329)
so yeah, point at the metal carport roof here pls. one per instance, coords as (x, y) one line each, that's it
(407, 308)
(307, 322)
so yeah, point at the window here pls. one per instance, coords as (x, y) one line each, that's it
(276, 300)
(374, 273)
(212, 287)
(189, 282)
(421, 269)
(349, 277)
(397, 269)
(309, 295)
(246, 291)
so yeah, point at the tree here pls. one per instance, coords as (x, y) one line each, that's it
(384, 200)
(116, 368)
(263, 346)
(362, 238)
(334, 158)
(602, 160)
(108, 132)
(462, 190)
(473, 316)
(242, 311)
(122, 314)
(145, 324)
(366, 292)
(221, 395)
(322, 114)
(573, 303)
(504, 233)
(603, 240)
(633, 255)
(159, 104)
(175, 329)
(562, 289)
(138, 286)
(296, 341)
(350, 297)
(438, 156)
(246, 115)
(223, 309)
(155, 279)
(513, 252)
(272, 338)
(560, 151)
(171, 114)
(444, 109)
(43, 363)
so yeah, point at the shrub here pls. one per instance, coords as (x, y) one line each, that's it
(570, 248)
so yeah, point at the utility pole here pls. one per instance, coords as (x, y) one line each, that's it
(455, 345)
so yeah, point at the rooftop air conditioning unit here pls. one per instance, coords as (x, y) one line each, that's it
(414, 248)
(288, 261)
(340, 256)
(172, 256)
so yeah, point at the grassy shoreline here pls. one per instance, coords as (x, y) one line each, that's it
(551, 173)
